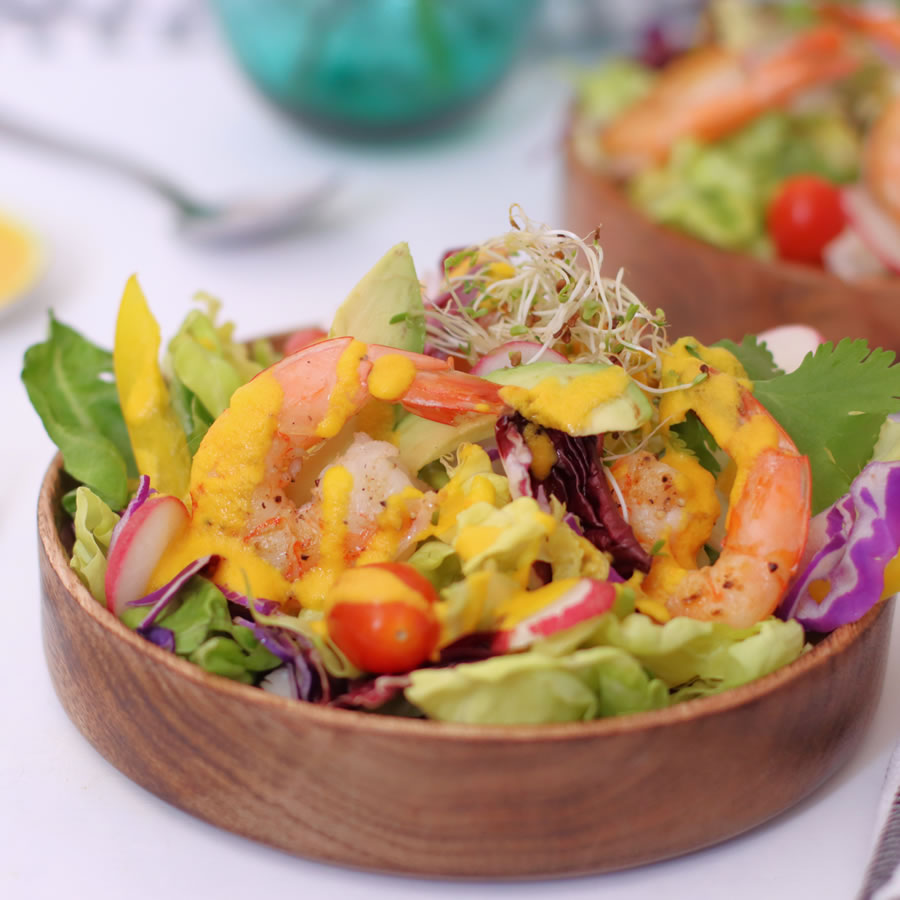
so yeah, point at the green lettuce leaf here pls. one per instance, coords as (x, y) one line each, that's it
(207, 366)
(700, 657)
(605, 91)
(438, 562)
(94, 523)
(70, 384)
(206, 635)
(533, 688)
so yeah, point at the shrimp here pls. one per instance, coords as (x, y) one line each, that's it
(881, 162)
(766, 524)
(713, 91)
(288, 487)
(881, 26)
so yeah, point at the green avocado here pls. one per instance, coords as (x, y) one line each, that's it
(386, 306)
(420, 441)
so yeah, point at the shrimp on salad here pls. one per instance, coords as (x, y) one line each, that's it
(714, 90)
(291, 526)
(671, 502)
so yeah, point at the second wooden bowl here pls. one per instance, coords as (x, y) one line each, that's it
(711, 293)
(431, 798)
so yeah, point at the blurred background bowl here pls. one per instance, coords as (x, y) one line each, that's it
(375, 67)
(711, 293)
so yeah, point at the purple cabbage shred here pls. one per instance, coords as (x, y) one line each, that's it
(841, 575)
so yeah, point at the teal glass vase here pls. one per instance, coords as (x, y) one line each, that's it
(375, 66)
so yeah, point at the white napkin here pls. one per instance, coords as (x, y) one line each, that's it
(882, 881)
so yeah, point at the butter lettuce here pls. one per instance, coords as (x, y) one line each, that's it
(207, 366)
(533, 688)
(94, 524)
(694, 657)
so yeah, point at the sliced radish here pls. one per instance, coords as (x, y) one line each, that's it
(138, 548)
(584, 600)
(875, 226)
(514, 353)
(790, 344)
(848, 256)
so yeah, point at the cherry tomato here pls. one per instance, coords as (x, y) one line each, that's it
(382, 617)
(805, 214)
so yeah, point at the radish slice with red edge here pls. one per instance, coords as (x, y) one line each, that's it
(524, 351)
(587, 598)
(876, 228)
(790, 344)
(139, 546)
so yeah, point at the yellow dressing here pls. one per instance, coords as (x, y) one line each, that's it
(391, 376)
(566, 405)
(341, 402)
(654, 609)
(697, 487)
(157, 439)
(20, 258)
(231, 459)
(543, 453)
(312, 589)
(375, 585)
(523, 604)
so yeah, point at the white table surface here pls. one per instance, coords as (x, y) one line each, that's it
(70, 824)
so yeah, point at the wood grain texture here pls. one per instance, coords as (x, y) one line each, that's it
(432, 798)
(712, 294)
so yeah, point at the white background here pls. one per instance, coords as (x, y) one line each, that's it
(70, 824)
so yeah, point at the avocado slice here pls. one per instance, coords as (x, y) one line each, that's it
(386, 305)
(420, 441)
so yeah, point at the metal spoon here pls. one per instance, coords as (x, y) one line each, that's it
(247, 219)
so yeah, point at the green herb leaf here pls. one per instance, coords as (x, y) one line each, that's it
(518, 329)
(754, 355)
(70, 383)
(696, 437)
(833, 407)
(399, 317)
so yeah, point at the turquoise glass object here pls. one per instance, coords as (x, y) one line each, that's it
(375, 65)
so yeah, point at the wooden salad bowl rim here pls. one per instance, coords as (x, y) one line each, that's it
(710, 292)
(79, 632)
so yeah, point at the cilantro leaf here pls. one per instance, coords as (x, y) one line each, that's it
(833, 407)
(754, 355)
(696, 437)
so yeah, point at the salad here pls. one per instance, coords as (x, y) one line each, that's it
(775, 134)
(514, 501)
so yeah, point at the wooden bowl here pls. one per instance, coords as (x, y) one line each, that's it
(431, 798)
(711, 293)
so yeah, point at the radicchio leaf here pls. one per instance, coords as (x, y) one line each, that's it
(848, 548)
(372, 693)
(577, 481)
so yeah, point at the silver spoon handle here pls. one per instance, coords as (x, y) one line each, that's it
(98, 157)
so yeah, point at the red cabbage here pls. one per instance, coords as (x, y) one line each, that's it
(372, 693)
(163, 596)
(849, 546)
(140, 497)
(308, 676)
(576, 480)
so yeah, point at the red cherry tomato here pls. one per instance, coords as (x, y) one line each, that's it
(382, 617)
(805, 214)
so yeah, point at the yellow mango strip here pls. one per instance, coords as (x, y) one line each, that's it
(157, 439)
